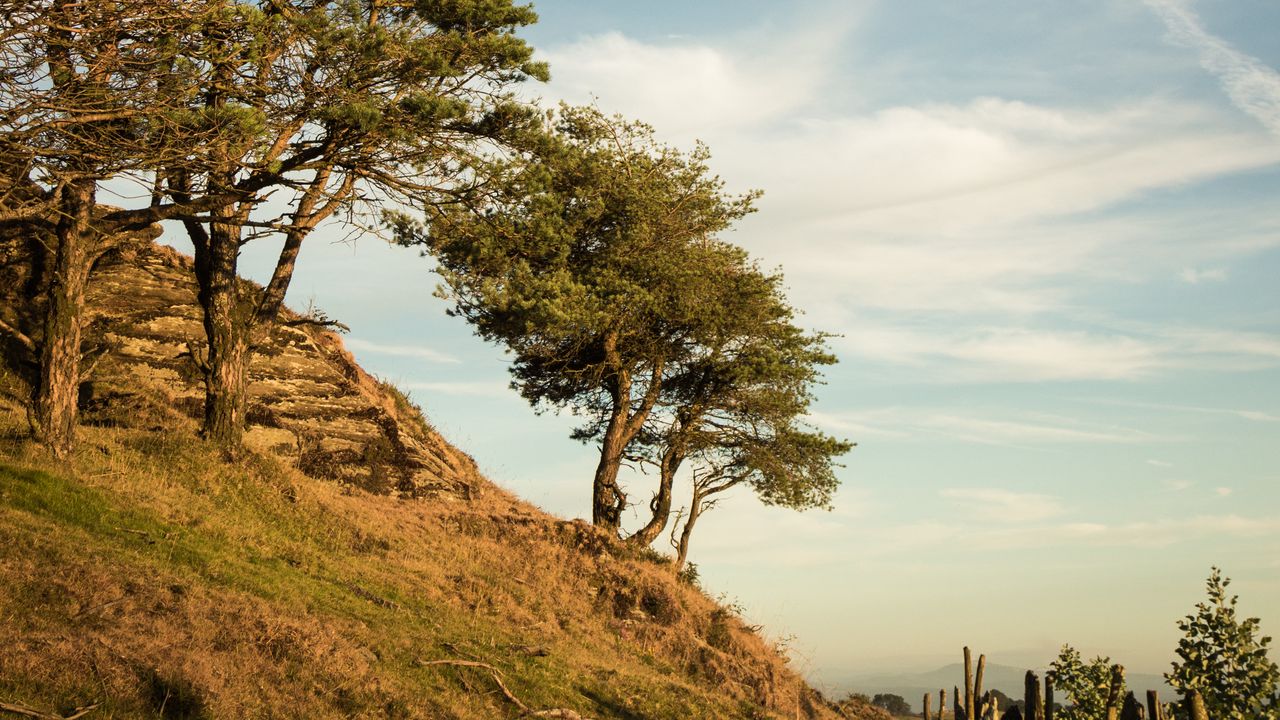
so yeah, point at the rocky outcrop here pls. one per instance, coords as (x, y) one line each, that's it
(311, 403)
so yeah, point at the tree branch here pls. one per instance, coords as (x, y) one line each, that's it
(563, 713)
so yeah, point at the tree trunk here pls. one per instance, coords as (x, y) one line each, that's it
(607, 499)
(227, 325)
(682, 548)
(59, 387)
(660, 507)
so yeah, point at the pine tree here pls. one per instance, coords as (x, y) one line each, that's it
(595, 262)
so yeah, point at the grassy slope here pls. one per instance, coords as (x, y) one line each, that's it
(163, 581)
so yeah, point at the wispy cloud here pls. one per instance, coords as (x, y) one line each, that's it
(1004, 429)
(1196, 276)
(1153, 534)
(1252, 86)
(471, 389)
(1005, 505)
(1012, 353)
(415, 351)
(1252, 415)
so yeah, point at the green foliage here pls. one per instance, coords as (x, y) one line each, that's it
(1084, 685)
(1222, 657)
(895, 704)
(595, 262)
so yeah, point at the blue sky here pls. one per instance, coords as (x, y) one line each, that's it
(1048, 236)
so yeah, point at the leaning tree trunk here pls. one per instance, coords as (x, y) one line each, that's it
(607, 499)
(682, 547)
(660, 507)
(59, 386)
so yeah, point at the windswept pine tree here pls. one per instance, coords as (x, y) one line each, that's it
(598, 264)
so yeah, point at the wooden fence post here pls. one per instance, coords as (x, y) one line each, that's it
(1113, 693)
(977, 679)
(1031, 699)
(1048, 696)
(926, 714)
(1132, 708)
(942, 703)
(1154, 710)
(957, 710)
(968, 684)
(1196, 705)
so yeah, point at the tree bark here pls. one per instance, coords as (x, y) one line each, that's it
(227, 324)
(58, 389)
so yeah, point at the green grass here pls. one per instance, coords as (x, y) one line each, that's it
(160, 580)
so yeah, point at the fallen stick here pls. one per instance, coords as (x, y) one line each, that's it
(562, 713)
(32, 712)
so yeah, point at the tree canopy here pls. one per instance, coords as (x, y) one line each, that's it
(595, 264)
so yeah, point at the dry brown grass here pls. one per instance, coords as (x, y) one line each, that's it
(163, 581)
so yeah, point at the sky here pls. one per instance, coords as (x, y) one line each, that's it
(1048, 237)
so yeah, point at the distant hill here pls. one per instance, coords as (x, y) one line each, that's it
(1005, 678)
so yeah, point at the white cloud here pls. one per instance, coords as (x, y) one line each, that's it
(1222, 491)
(1004, 505)
(945, 207)
(1160, 463)
(688, 90)
(1252, 86)
(357, 345)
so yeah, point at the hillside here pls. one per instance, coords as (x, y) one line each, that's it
(353, 564)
